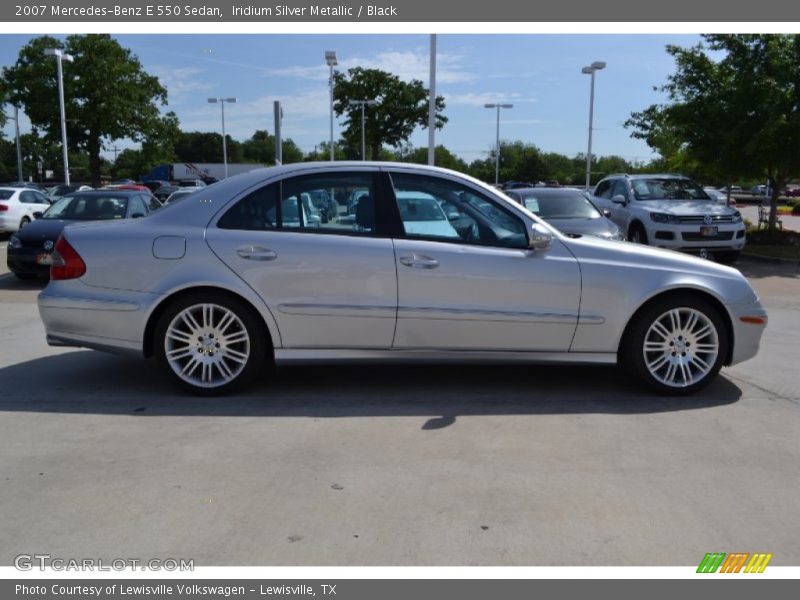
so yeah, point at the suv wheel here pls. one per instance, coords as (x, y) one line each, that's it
(728, 257)
(637, 234)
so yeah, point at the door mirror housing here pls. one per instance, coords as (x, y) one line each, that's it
(137, 215)
(619, 199)
(37, 214)
(539, 237)
(606, 213)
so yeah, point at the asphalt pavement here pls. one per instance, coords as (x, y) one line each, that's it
(101, 457)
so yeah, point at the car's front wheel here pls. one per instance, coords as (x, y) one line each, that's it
(637, 234)
(676, 345)
(210, 343)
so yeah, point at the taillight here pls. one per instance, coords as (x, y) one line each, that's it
(67, 264)
(3, 207)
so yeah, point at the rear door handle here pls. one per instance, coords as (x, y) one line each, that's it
(418, 261)
(256, 253)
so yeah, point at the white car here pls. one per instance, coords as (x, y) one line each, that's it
(423, 215)
(672, 211)
(17, 207)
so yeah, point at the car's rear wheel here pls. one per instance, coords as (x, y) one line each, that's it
(637, 234)
(676, 345)
(727, 257)
(25, 276)
(210, 343)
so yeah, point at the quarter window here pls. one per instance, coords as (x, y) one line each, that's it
(435, 208)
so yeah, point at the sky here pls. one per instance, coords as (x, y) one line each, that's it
(539, 73)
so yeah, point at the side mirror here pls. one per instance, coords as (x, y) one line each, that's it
(37, 214)
(137, 215)
(540, 237)
(619, 199)
(606, 213)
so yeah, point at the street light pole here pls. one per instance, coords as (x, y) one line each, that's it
(591, 70)
(497, 140)
(16, 133)
(330, 58)
(60, 56)
(222, 102)
(363, 103)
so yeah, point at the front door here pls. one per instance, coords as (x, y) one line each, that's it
(467, 279)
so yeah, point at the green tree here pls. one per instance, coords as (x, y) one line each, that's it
(108, 96)
(733, 108)
(401, 108)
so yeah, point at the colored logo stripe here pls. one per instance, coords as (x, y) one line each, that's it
(711, 562)
(733, 563)
(758, 563)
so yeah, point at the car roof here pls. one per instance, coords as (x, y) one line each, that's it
(552, 191)
(105, 192)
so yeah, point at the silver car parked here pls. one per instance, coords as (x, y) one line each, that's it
(233, 277)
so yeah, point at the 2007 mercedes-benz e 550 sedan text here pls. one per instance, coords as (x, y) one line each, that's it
(427, 265)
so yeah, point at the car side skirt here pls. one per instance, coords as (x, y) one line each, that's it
(285, 356)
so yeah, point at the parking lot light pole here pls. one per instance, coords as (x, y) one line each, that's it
(363, 103)
(330, 58)
(16, 133)
(60, 57)
(497, 140)
(591, 70)
(222, 102)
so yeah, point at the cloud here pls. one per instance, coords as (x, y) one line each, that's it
(406, 65)
(243, 118)
(181, 82)
(481, 98)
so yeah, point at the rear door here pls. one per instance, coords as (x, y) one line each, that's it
(331, 285)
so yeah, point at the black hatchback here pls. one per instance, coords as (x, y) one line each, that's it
(30, 249)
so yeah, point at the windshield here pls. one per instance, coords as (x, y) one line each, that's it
(87, 208)
(667, 189)
(567, 205)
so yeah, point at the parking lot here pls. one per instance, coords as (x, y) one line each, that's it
(101, 457)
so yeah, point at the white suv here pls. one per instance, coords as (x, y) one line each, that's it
(672, 211)
(17, 207)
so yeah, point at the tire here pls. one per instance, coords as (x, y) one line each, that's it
(728, 257)
(25, 276)
(23, 222)
(675, 345)
(637, 234)
(211, 343)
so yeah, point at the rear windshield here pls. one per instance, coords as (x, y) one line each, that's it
(79, 207)
(6, 194)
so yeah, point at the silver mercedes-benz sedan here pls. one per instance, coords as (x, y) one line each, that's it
(427, 265)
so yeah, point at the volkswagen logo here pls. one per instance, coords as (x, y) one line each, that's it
(48, 245)
(708, 220)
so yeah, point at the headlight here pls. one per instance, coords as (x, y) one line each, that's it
(737, 217)
(664, 218)
(14, 242)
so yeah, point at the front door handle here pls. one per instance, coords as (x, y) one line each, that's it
(256, 253)
(418, 261)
